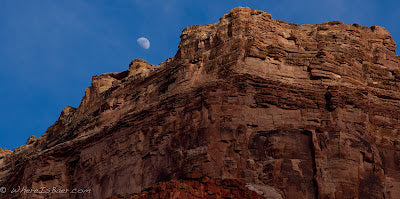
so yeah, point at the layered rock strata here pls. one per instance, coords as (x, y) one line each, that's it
(289, 111)
(195, 185)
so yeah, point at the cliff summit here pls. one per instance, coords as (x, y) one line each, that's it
(249, 106)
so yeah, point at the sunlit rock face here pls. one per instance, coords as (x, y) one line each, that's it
(283, 110)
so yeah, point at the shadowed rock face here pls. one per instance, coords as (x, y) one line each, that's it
(286, 110)
(194, 185)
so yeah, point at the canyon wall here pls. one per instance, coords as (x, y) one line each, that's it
(278, 109)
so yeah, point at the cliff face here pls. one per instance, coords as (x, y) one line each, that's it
(286, 110)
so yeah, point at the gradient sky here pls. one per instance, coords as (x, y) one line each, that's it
(50, 49)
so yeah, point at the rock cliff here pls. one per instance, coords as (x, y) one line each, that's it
(249, 106)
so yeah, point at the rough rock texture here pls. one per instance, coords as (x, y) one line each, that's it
(195, 185)
(291, 111)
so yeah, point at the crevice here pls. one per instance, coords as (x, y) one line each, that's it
(314, 164)
(328, 102)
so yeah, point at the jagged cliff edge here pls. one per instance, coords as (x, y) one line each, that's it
(289, 110)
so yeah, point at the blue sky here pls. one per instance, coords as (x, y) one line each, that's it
(50, 49)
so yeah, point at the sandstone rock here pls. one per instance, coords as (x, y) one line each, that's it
(4, 152)
(31, 140)
(285, 110)
(204, 187)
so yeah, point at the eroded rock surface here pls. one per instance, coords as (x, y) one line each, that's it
(195, 185)
(291, 111)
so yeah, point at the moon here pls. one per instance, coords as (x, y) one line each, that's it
(143, 42)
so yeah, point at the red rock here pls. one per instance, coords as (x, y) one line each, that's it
(193, 175)
(284, 110)
(187, 189)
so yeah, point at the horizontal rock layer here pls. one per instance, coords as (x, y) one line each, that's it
(291, 111)
(194, 185)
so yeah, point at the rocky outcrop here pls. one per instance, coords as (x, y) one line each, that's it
(289, 111)
(195, 185)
